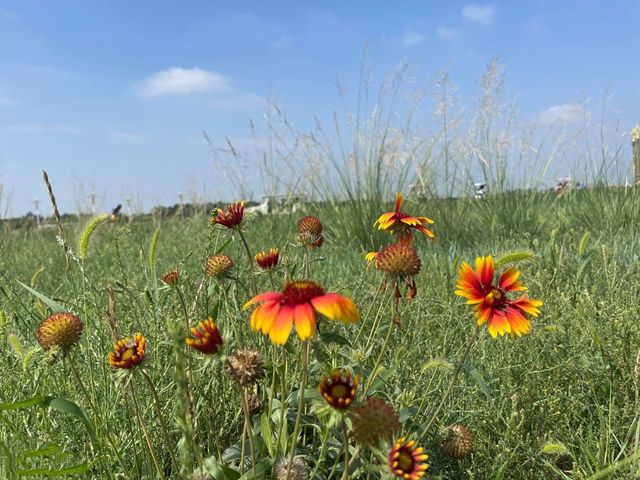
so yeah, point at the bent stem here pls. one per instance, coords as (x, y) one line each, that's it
(144, 430)
(452, 382)
(303, 386)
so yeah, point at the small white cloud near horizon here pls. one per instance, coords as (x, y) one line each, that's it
(569, 113)
(183, 81)
(411, 37)
(446, 33)
(482, 14)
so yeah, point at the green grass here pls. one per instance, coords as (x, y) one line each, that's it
(571, 381)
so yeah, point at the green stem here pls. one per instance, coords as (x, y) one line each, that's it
(246, 247)
(144, 430)
(453, 380)
(303, 386)
(247, 420)
(345, 435)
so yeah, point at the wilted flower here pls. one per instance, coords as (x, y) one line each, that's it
(128, 352)
(298, 303)
(310, 240)
(171, 278)
(458, 441)
(61, 329)
(373, 421)
(218, 265)
(206, 337)
(407, 461)
(401, 223)
(339, 391)
(267, 260)
(298, 471)
(246, 367)
(230, 218)
(492, 306)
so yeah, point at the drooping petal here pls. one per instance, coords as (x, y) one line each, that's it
(385, 220)
(328, 306)
(268, 313)
(350, 312)
(518, 322)
(305, 320)
(498, 324)
(508, 281)
(370, 256)
(263, 297)
(282, 325)
(425, 230)
(528, 305)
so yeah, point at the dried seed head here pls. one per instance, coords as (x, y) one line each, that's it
(255, 403)
(311, 225)
(62, 329)
(310, 240)
(246, 367)
(171, 278)
(299, 469)
(398, 260)
(373, 421)
(218, 265)
(458, 441)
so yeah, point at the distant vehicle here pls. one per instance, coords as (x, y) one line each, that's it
(480, 190)
(278, 204)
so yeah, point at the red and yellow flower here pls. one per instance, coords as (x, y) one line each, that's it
(128, 352)
(230, 218)
(402, 224)
(492, 305)
(408, 461)
(298, 304)
(206, 337)
(339, 391)
(268, 260)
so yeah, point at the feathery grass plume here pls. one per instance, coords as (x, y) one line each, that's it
(515, 257)
(36, 276)
(152, 249)
(83, 243)
(56, 214)
(582, 246)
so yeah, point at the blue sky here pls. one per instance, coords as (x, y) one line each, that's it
(113, 96)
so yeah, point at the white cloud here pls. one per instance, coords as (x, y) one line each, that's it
(282, 43)
(446, 33)
(482, 14)
(569, 113)
(239, 102)
(411, 37)
(182, 81)
(35, 128)
(126, 137)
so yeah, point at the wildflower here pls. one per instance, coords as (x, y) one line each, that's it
(407, 461)
(298, 470)
(492, 306)
(267, 260)
(62, 329)
(310, 240)
(298, 303)
(337, 391)
(230, 218)
(171, 278)
(458, 441)
(246, 367)
(310, 224)
(397, 260)
(128, 352)
(207, 337)
(373, 421)
(218, 265)
(401, 223)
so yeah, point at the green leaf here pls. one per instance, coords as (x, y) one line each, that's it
(38, 400)
(267, 434)
(53, 305)
(65, 406)
(475, 374)
(334, 337)
(46, 472)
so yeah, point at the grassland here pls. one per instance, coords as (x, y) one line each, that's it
(565, 395)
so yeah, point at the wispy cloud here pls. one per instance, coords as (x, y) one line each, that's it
(569, 113)
(38, 128)
(239, 102)
(411, 37)
(127, 138)
(482, 14)
(446, 33)
(183, 81)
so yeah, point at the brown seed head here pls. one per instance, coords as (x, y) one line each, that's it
(218, 265)
(299, 469)
(458, 442)
(398, 260)
(246, 367)
(171, 278)
(374, 421)
(61, 329)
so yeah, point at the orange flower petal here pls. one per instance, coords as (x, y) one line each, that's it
(263, 297)
(305, 319)
(282, 325)
(498, 324)
(399, 200)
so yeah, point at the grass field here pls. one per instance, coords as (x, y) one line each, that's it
(559, 402)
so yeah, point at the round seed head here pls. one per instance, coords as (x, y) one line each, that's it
(218, 265)
(246, 367)
(311, 225)
(171, 278)
(373, 421)
(299, 469)
(61, 329)
(398, 260)
(458, 442)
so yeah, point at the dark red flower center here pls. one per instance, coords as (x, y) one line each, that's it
(496, 297)
(301, 291)
(405, 460)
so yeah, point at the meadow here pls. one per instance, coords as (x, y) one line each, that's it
(561, 401)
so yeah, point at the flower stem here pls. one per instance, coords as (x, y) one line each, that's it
(345, 434)
(452, 381)
(246, 247)
(247, 421)
(144, 430)
(303, 386)
(189, 369)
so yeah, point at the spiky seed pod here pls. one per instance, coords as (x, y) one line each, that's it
(398, 260)
(310, 224)
(246, 367)
(373, 421)
(255, 403)
(309, 240)
(61, 329)
(171, 278)
(218, 265)
(458, 442)
(299, 469)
